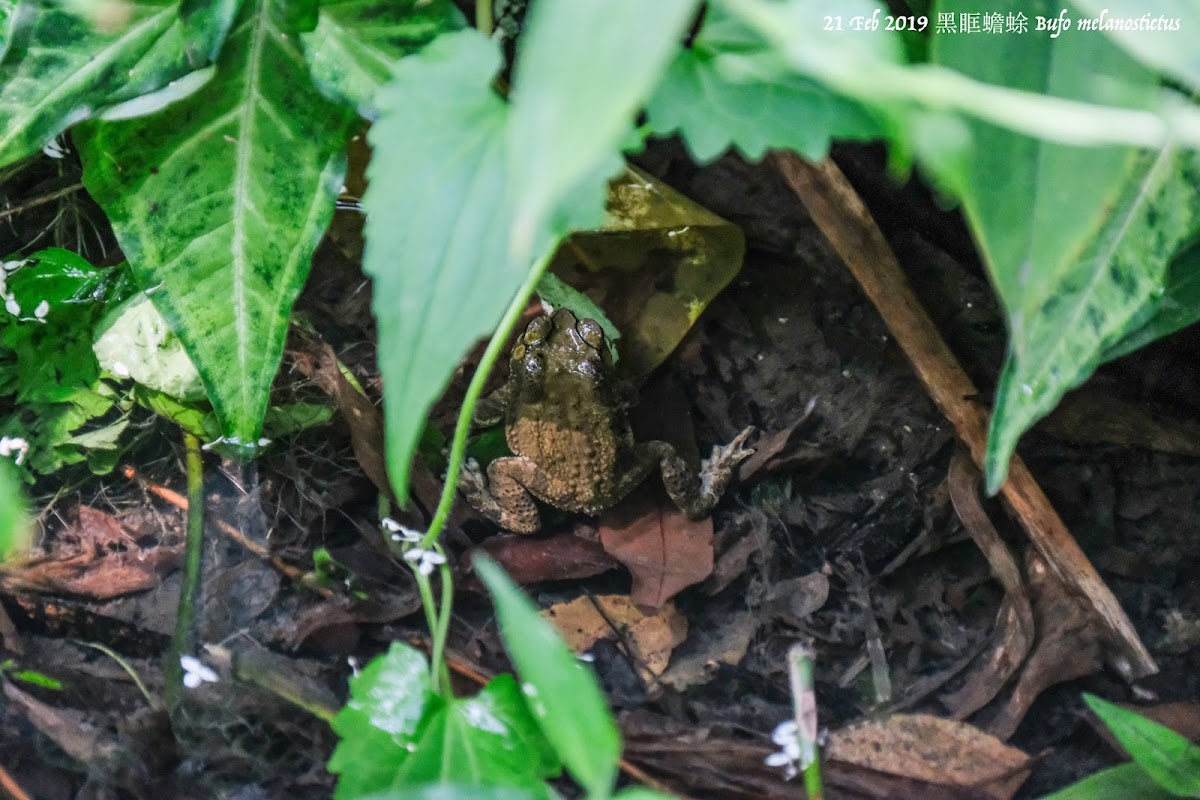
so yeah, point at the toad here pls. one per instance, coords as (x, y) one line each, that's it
(565, 421)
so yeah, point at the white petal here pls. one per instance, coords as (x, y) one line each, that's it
(777, 760)
(43, 308)
(785, 732)
(13, 307)
(191, 680)
(415, 554)
(390, 524)
(120, 370)
(434, 558)
(263, 442)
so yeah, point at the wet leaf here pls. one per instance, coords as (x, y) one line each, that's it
(261, 151)
(1178, 307)
(490, 739)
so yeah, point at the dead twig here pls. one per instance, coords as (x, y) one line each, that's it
(844, 219)
(12, 211)
(293, 573)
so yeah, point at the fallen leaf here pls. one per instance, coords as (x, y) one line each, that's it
(663, 550)
(95, 558)
(566, 556)
(699, 659)
(586, 620)
(932, 749)
(1068, 644)
(1012, 637)
(793, 600)
(781, 450)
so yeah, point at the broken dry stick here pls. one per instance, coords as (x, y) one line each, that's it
(844, 219)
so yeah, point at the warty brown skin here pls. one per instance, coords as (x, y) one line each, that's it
(565, 422)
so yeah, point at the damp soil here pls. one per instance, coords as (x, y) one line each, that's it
(849, 539)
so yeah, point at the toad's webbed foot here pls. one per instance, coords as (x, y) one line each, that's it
(502, 496)
(697, 494)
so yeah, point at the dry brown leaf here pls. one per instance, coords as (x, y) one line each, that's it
(932, 749)
(586, 620)
(564, 556)
(1012, 638)
(698, 661)
(780, 450)
(95, 558)
(664, 551)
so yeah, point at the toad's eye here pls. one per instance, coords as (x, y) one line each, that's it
(591, 332)
(534, 364)
(537, 330)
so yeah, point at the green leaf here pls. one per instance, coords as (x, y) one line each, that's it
(710, 97)
(451, 791)
(564, 696)
(1166, 756)
(134, 341)
(437, 226)
(59, 68)
(1114, 783)
(14, 525)
(388, 699)
(560, 294)
(287, 419)
(358, 42)
(1178, 308)
(583, 70)
(487, 740)
(218, 202)
(1076, 239)
(1167, 48)
(1103, 291)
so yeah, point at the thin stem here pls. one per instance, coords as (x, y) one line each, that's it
(37, 201)
(438, 654)
(804, 704)
(463, 426)
(183, 639)
(483, 16)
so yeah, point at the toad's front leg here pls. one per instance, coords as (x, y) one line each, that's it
(502, 496)
(696, 493)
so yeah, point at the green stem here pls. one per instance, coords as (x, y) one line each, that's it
(804, 702)
(463, 426)
(184, 638)
(483, 16)
(438, 656)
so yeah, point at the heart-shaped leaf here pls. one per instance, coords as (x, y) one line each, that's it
(261, 154)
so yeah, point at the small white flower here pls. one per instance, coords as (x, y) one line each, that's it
(43, 308)
(12, 306)
(195, 672)
(53, 149)
(263, 441)
(399, 532)
(212, 444)
(13, 444)
(786, 735)
(13, 266)
(120, 370)
(426, 560)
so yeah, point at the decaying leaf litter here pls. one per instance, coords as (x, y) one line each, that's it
(851, 529)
